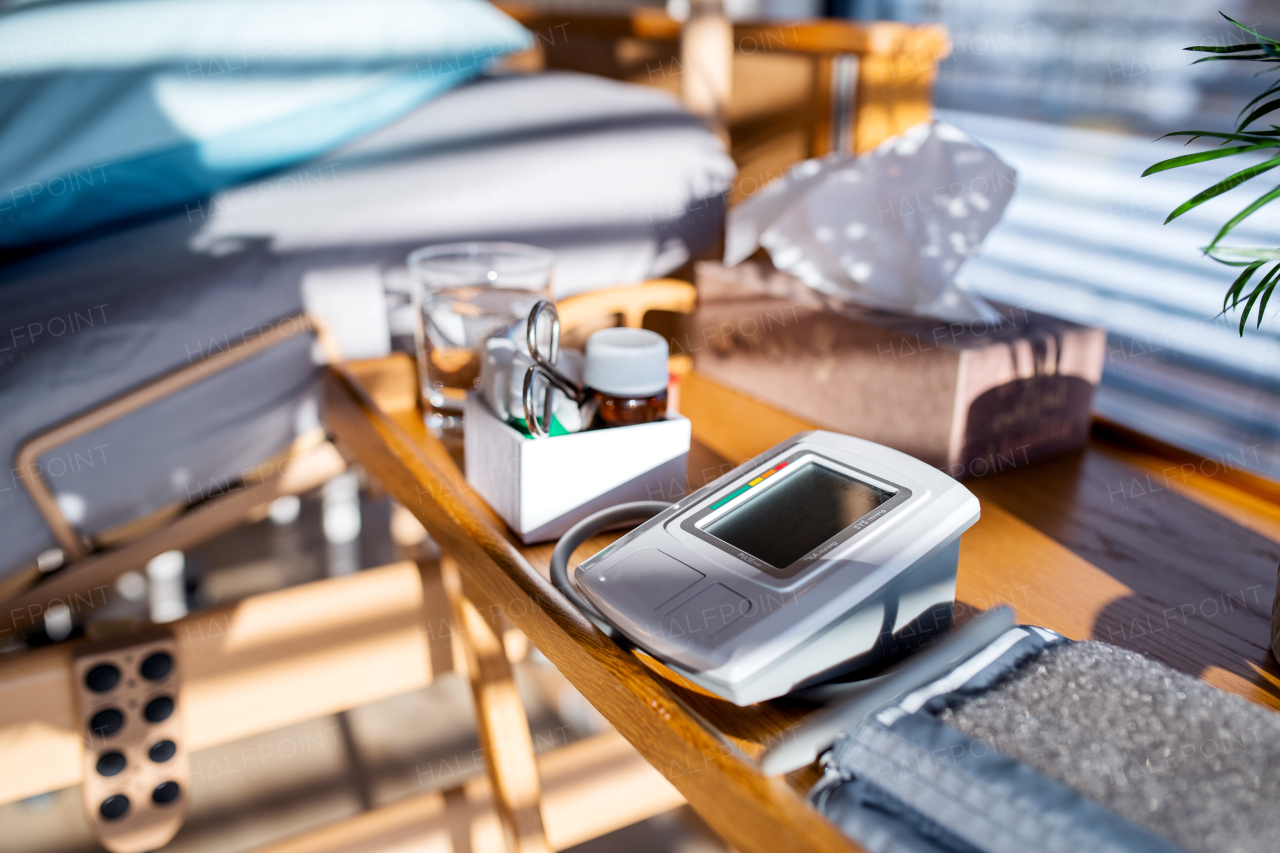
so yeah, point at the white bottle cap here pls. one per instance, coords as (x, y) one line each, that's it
(626, 362)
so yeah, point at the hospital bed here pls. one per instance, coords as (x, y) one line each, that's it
(602, 173)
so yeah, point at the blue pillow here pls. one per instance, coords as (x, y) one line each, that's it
(120, 108)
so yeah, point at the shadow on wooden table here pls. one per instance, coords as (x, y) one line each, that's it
(1199, 585)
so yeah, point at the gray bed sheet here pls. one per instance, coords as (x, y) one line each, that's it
(617, 179)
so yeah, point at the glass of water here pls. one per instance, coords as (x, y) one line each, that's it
(467, 293)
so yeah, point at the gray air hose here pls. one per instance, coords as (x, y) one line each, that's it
(598, 522)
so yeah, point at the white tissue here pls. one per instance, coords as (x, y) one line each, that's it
(886, 230)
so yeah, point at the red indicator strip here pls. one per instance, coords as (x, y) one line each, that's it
(724, 500)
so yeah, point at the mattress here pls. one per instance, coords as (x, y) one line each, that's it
(616, 179)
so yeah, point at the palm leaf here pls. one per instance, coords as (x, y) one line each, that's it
(1271, 90)
(1266, 198)
(1244, 318)
(1253, 57)
(1231, 48)
(1223, 186)
(1233, 293)
(1262, 306)
(1249, 258)
(1250, 30)
(1254, 136)
(1203, 156)
(1253, 297)
(1248, 252)
(1269, 106)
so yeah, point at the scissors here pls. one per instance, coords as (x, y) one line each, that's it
(544, 367)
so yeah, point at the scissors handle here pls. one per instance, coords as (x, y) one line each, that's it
(544, 367)
(539, 308)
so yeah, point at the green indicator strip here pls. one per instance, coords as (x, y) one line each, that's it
(724, 500)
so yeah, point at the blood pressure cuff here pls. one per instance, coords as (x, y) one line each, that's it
(1038, 743)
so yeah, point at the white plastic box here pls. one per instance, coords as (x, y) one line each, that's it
(542, 487)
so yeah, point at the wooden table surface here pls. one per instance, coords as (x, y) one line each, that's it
(1184, 582)
(1125, 541)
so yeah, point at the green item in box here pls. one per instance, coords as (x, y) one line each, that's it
(523, 429)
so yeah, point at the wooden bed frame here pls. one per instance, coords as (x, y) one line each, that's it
(86, 563)
(797, 90)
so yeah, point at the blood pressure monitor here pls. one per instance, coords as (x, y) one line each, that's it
(824, 555)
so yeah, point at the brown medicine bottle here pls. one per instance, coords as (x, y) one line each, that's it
(626, 372)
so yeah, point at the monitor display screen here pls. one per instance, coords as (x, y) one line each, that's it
(795, 515)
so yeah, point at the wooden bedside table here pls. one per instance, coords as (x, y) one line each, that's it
(1128, 542)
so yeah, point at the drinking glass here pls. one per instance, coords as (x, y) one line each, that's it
(467, 293)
